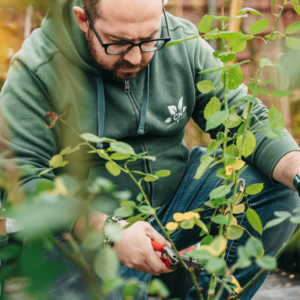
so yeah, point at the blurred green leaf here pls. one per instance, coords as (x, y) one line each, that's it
(106, 263)
(274, 222)
(275, 133)
(163, 173)
(205, 86)
(294, 27)
(150, 178)
(235, 232)
(274, 113)
(254, 220)
(282, 214)
(255, 247)
(123, 212)
(114, 231)
(266, 62)
(189, 224)
(131, 288)
(292, 42)
(215, 265)
(267, 262)
(220, 219)
(249, 10)
(120, 156)
(280, 93)
(123, 148)
(112, 168)
(259, 26)
(234, 120)
(249, 143)
(297, 9)
(216, 120)
(146, 210)
(237, 44)
(207, 240)
(93, 240)
(140, 197)
(111, 284)
(158, 287)
(180, 41)
(259, 90)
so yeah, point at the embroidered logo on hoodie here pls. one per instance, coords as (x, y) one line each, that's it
(177, 113)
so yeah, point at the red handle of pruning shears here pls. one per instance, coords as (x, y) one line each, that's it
(160, 248)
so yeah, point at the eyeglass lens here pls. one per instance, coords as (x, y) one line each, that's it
(146, 46)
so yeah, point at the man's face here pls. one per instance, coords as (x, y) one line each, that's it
(123, 21)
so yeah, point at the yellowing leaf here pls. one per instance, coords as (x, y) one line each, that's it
(228, 170)
(238, 164)
(239, 209)
(190, 214)
(60, 187)
(236, 283)
(172, 226)
(178, 217)
(57, 161)
(217, 247)
(233, 220)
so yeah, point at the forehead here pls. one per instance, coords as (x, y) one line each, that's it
(130, 15)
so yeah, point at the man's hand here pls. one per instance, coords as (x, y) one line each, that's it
(135, 250)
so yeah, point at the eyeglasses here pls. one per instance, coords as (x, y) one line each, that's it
(123, 47)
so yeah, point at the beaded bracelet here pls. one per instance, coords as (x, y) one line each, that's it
(108, 242)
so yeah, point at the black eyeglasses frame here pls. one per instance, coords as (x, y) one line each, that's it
(106, 45)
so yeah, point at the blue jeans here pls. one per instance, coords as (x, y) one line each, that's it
(191, 195)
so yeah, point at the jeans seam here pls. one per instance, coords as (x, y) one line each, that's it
(234, 240)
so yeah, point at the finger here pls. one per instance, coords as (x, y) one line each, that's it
(155, 236)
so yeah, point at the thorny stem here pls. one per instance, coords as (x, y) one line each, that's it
(262, 271)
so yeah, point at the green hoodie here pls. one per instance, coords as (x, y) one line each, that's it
(53, 72)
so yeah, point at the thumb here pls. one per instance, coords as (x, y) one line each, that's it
(156, 237)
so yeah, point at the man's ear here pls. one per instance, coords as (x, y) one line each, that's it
(81, 18)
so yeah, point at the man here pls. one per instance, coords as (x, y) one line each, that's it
(144, 95)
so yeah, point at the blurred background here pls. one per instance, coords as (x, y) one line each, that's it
(18, 18)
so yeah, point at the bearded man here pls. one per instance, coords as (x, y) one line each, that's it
(104, 62)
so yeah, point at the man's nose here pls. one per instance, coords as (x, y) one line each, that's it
(134, 56)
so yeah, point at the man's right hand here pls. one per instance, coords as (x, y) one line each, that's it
(135, 250)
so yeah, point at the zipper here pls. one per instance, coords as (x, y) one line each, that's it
(126, 87)
(127, 91)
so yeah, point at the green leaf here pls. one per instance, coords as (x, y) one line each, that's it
(234, 77)
(205, 24)
(120, 156)
(293, 43)
(93, 240)
(249, 10)
(212, 70)
(239, 64)
(245, 111)
(267, 262)
(106, 263)
(226, 57)
(235, 232)
(232, 150)
(259, 90)
(220, 219)
(221, 18)
(207, 240)
(114, 231)
(69, 150)
(158, 287)
(254, 189)
(275, 133)
(200, 224)
(123, 148)
(254, 247)
(111, 284)
(266, 62)
(212, 107)
(274, 113)
(123, 212)
(219, 192)
(91, 138)
(259, 26)
(45, 172)
(176, 42)
(150, 178)
(205, 86)
(274, 36)
(140, 197)
(237, 44)
(250, 143)
(268, 82)
(226, 35)
(296, 210)
(294, 27)
(131, 288)
(189, 224)
(280, 93)
(282, 214)
(297, 9)
(295, 220)
(112, 168)
(163, 173)
(145, 209)
(254, 220)
(57, 161)
(216, 120)
(215, 265)
(274, 222)
(234, 120)
(205, 162)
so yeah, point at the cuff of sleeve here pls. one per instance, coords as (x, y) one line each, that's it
(271, 151)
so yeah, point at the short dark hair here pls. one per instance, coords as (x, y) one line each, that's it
(92, 9)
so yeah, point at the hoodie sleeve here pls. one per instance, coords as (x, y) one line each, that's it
(24, 103)
(267, 152)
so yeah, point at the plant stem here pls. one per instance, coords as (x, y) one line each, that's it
(262, 271)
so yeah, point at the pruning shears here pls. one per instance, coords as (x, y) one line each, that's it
(170, 259)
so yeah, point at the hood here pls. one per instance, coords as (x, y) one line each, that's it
(60, 26)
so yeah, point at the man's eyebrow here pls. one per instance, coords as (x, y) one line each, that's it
(120, 37)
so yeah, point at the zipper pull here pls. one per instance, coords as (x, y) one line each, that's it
(127, 87)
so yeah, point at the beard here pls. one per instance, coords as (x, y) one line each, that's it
(114, 71)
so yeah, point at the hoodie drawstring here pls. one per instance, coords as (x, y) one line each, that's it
(101, 110)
